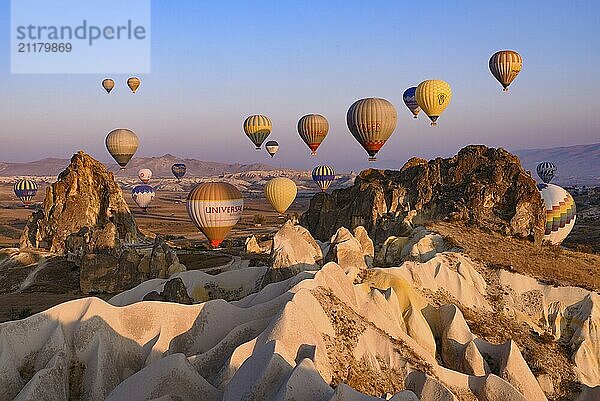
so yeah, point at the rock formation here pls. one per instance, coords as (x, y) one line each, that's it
(85, 203)
(482, 186)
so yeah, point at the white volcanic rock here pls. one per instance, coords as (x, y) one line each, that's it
(346, 251)
(428, 388)
(304, 384)
(294, 247)
(366, 243)
(420, 246)
(570, 313)
(201, 287)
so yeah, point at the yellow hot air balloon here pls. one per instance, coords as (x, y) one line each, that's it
(505, 65)
(257, 128)
(313, 129)
(281, 192)
(108, 85)
(372, 121)
(215, 207)
(133, 83)
(122, 144)
(433, 96)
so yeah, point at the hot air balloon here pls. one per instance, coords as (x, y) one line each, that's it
(257, 128)
(133, 83)
(122, 143)
(505, 65)
(143, 195)
(560, 212)
(546, 171)
(323, 176)
(410, 101)
(433, 96)
(272, 147)
(108, 85)
(178, 170)
(25, 191)
(145, 175)
(280, 192)
(372, 121)
(215, 207)
(313, 129)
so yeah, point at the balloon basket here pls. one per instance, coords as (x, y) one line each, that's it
(372, 159)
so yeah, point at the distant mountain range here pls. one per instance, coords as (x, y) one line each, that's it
(576, 165)
(160, 166)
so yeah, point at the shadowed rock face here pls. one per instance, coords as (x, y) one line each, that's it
(84, 209)
(482, 186)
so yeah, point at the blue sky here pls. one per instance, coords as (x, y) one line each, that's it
(214, 63)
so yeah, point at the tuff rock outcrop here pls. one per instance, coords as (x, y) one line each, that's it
(84, 209)
(481, 186)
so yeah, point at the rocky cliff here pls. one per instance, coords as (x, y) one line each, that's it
(85, 209)
(482, 186)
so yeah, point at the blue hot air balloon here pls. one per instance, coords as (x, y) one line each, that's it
(178, 170)
(546, 171)
(143, 195)
(25, 190)
(323, 176)
(410, 101)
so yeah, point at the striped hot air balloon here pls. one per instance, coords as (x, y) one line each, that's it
(323, 176)
(134, 83)
(178, 170)
(505, 65)
(145, 174)
(143, 195)
(372, 121)
(272, 147)
(258, 128)
(433, 96)
(25, 190)
(313, 129)
(122, 144)
(560, 212)
(108, 85)
(546, 171)
(215, 207)
(410, 100)
(281, 193)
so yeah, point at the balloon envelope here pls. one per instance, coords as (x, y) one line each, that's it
(25, 190)
(560, 212)
(215, 207)
(108, 85)
(410, 100)
(281, 193)
(505, 65)
(323, 176)
(257, 128)
(313, 129)
(272, 147)
(372, 121)
(433, 96)
(145, 175)
(178, 170)
(122, 145)
(134, 83)
(143, 195)
(546, 171)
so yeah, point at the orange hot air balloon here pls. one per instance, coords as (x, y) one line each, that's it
(372, 121)
(134, 83)
(108, 85)
(313, 129)
(215, 207)
(505, 65)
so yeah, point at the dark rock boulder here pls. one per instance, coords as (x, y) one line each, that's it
(173, 291)
(480, 186)
(84, 210)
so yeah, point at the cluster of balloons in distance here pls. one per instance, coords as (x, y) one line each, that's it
(109, 84)
(215, 207)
